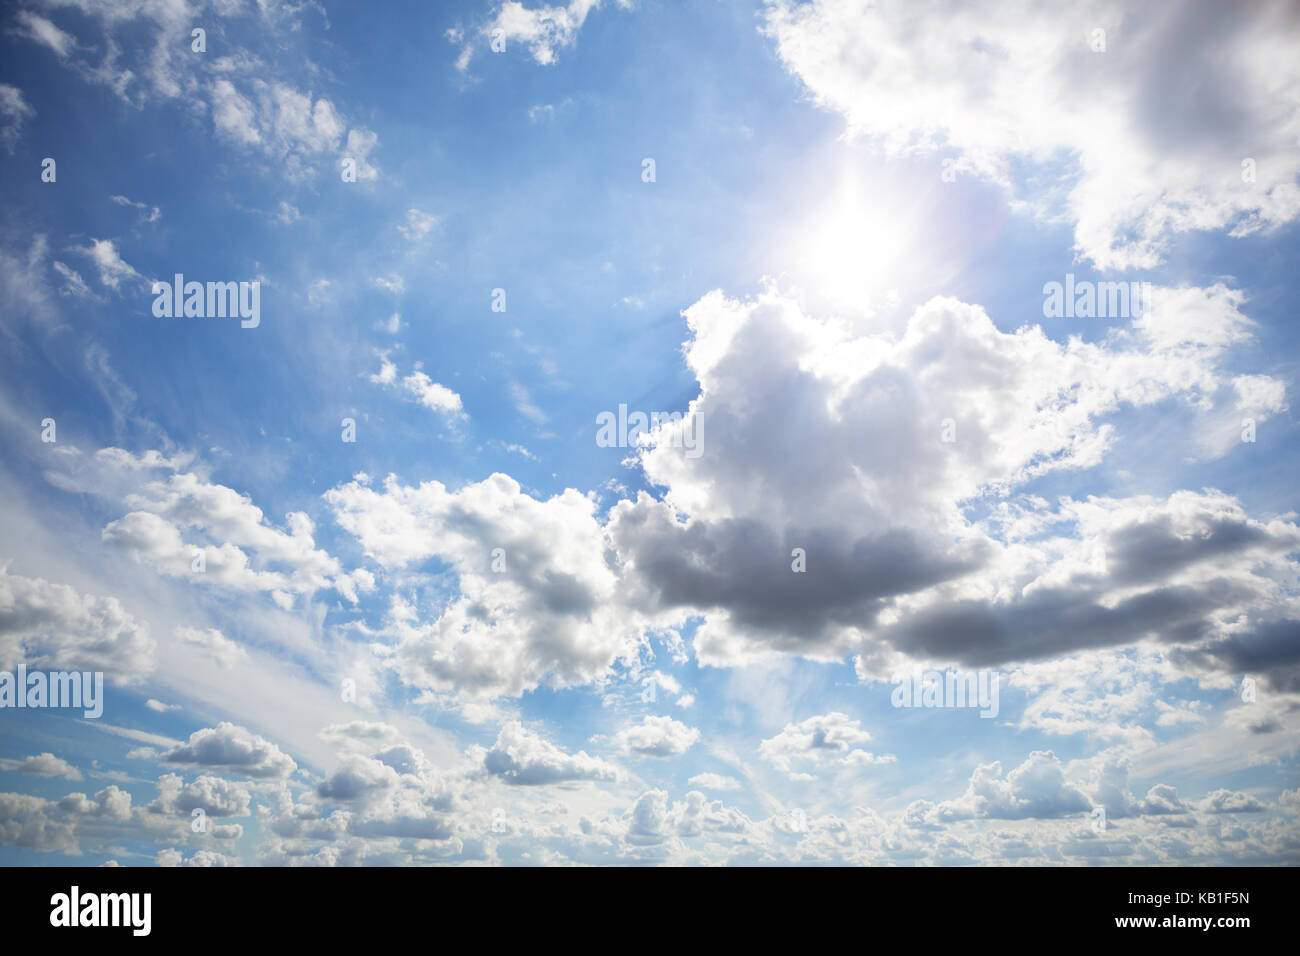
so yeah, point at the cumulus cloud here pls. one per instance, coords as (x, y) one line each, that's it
(655, 820)
(48, 765)
(230, 544)
(833, 739)
(201, 858)
(359, 778)
(232, 749)
(1037, 788)
(1139, 116)
(656, 737)
(215, 796)
(525, 758)
(53, 626)
(786, 481)
(538, 602)
(1229, 801)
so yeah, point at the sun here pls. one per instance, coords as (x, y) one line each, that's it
(853, 250)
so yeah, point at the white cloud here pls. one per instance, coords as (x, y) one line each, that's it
(1035, 789)
(215, 796)
(1155, 128)
(523, 402)
(785, 400)
(13, 110)
(432, 395)
(52, 626)
(224, 527)
(232, 749)
(543, 30)
(41, 30)
(417, 224)
(714, 781)
(224, 652)
(549, 612)
(109, 263)
(393, 283)
(233, 115)
(147, 213)
(48, 765)
(73, 283)
(656, 737)
(832, 739)
(524, 758)
(1229, 801)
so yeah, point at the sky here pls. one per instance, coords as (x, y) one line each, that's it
(379, 569)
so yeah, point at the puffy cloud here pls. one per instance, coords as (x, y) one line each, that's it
(657, 737)
(538, 601)
(654, 820)
(224, 527)
(1229, 801)
(26, 822)
(201, 858)
(359, 778)
(648, 821)
(1185, 570)
(525, 758)
(1035, 789)
(1162, 799)
(48, 765)
(829, 739)
(232, 749)
(215, 796)
(422, 389)
(714, 781)
(52, 626)
(111, 803)
(1153, 132)
(786, 481)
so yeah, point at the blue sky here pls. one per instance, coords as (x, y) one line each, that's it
(836, 273)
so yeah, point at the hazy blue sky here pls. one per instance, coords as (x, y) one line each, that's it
(818, 236)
